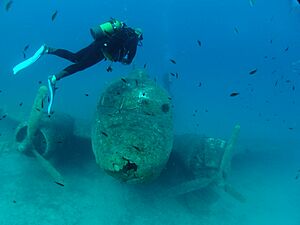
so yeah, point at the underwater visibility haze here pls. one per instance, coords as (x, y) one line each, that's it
(202, 127)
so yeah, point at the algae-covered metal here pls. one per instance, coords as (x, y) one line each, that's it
(132, 133)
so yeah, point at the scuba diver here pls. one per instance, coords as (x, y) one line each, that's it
(295, 5)
(113, 40)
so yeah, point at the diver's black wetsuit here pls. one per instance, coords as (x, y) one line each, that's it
(121, 46)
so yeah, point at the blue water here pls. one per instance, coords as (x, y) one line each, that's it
(236, 39)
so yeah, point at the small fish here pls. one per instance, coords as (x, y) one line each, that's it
(173, 74)
(271, 41)
(59, 142)
(60, 184)
(236, 30)
(293, 87)
(199, 43)
(288, 81)
(177, 75)
(145, 65)
(276, 83)
(53, 17)
(296, 178)
(137, 148)
(124, 80)
(86, 94)
(14, 201)
(25, 48)
(253, 71)
(291, 128)
(109, 69)
(105, 134)
(4, 116)
(0, 91)
(37, 109)
(286, 49)
(40, 82)
(24, 55)
(200, 84)
(234, 94)
(252, 2)
(8, 5)
(21, 103)
(136, 83)
(173, 61)
(169, 98)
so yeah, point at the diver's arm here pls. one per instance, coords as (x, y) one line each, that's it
(131, 52)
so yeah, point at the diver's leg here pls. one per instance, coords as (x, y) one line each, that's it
(94, 50)
(85, 54)
(63, 54)
(91, 57)
(76, 67)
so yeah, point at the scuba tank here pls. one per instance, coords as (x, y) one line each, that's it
(106, 29)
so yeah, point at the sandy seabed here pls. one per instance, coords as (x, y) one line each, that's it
(29, 196)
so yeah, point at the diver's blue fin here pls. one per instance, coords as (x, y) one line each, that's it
(51, 90)
(30, 60)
